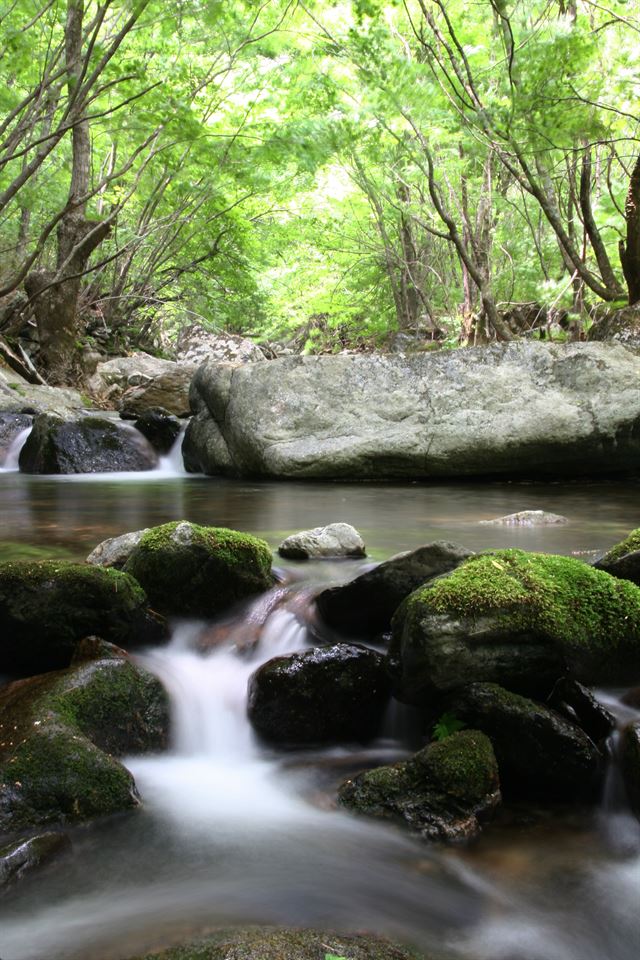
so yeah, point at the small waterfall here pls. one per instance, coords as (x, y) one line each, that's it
(171, 464)
(618, 825)
(12, 458)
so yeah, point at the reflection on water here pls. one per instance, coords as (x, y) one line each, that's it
(391, 517)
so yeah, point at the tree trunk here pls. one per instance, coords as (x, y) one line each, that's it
(630, 250)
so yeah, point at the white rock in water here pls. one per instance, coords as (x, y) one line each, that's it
(115, 551)
(334, 540)
(528, 518)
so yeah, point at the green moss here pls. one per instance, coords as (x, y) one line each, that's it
(581, 609)
(190, 570)
(630, 544)
(463, 766)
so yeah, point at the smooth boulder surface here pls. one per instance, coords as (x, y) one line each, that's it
(61, 732)
(264, 943)
(85, 445)
(22, 856)
(364, 606)
(443, 792)
(540, 754)
(327, 694)
(115, 551)
(47, 606)
(17, 396)
(516, 409)
(523, 620)
(333, 541)
(623, 560)
(193, 571)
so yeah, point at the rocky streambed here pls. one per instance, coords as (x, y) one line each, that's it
(490, 657)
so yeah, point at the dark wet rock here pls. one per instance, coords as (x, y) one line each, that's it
(443, 792)
(364, 606)
(115, 551)
(326, 694)
(193, 571)
(516, 409)
(540, 754)
(577, 704)
(334, 540)
(160, 428)
(630, 763)
(11, 424)
(528, 518)
(46, 607)
(60, 732)
(623, 560)
(522, 620)
(264, 943)
(632, 698)
(85, 445)
(23, 856)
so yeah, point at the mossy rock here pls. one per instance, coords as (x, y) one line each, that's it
(540, 753)
(85, 445)
(193, 571)
(519, 619)
(323, 695)
(47, 606)
(623, 560)
(260, 943)
(443, 792)
(58, 732)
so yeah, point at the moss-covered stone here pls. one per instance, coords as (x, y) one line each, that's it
(540, 753)
(623, 560)
(46, 607)
(260, 943)
(519, 619)
(443, 792)
(58, 731)
(193, 571)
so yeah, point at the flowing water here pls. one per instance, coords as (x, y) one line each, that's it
(233, 832)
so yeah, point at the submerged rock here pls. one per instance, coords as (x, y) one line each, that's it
(47, 606)
(528, 518)
(327, 694)
(59, 732)
(115, 551)
(334, 540)
(443, 792)
(623, 560)
(193, 571)
(364, 606)
(160, 428)
(515, 409)
(540, 754)
(522, 620)
(85, 445)
(264, 943)
(23, 856)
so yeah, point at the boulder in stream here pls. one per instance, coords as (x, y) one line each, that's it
(527, 518)
(540, 754)
(160, 428)
(623, 560)
(47, 606)
(443, 792)
(115, 551)
(333, 541)
(192, 571)
(60, 733)
(85, 445)
(522, 620)
(23, 856)
(272, 943)
(364, 606)
(324, 695)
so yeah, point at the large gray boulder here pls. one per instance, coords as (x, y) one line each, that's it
(505, 410)
(141, 382)
(85, 445)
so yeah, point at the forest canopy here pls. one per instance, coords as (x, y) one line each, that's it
(326, 172)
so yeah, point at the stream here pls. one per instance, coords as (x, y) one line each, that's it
(231, 832)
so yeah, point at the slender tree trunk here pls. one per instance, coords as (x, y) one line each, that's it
(630, 249)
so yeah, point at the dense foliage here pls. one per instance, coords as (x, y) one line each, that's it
(316, 172)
